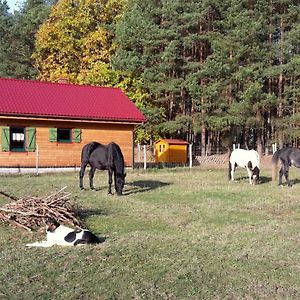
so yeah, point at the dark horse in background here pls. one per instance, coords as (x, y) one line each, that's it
(288, 157)
(103, 157)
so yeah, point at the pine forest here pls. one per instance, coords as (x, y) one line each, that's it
(214, 73)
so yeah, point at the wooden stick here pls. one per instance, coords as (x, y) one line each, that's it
(20, 212)
(7, 195)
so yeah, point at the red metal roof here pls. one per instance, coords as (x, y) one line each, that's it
(173, 141)
(56, 100)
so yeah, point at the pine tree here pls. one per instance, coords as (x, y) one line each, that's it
(18, 36)
(158, 43)
(284, 70)
(218, 70)
(292, 89)
(6, 25)
(212, 66)
(202, 18)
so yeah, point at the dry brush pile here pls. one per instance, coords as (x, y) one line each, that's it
(30, 213)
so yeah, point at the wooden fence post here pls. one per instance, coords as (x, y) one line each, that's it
(190, 155)
(145, 157)
(274, 147)
(37, 160)
(139, 152)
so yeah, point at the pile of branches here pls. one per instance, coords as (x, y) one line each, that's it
(30, 213)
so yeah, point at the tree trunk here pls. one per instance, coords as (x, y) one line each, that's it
(203, 139)
(280, 88)
(259, 133)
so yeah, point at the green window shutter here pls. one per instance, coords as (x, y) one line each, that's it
(5, 139)
(53, 134)
(77, 135)
(31, 137)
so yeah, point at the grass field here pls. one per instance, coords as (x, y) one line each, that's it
(176, 234)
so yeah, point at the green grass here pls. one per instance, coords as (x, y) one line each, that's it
(176, 234)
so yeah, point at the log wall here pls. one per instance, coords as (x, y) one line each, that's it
(67, 154)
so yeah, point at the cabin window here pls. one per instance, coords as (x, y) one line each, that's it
(64, 135)
(18, 139)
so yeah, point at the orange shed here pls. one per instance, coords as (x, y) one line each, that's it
(171, 151)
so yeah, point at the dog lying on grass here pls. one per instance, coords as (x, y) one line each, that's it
(61, 235)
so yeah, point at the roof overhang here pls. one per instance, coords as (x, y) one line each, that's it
(69, 119)
(172, 142)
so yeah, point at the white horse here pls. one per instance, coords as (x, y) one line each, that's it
(248, 159)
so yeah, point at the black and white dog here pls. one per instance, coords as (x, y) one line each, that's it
(61, 235)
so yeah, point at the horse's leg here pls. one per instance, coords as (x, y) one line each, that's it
(281, 171)
(81, 174)
(286, 174)
(249, 174)
(109, 181)
(115, 180)
(233, 167)
(91, 176)
(284, 170)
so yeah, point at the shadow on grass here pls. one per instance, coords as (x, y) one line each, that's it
(86, 213)
(141, 186)
(262, 179)
(102, 239)
(293, 182)
(96, 189)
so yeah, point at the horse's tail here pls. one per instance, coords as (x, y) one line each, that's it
(275, 159)
(87, 151)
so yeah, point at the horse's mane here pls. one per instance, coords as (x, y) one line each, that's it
(117, 157)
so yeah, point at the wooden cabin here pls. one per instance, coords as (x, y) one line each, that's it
(171, 151)
(48, 123)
